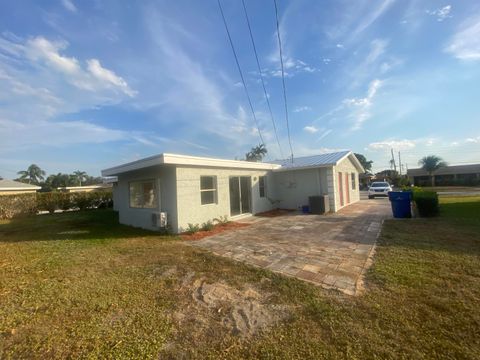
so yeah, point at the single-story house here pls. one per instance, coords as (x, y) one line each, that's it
(11, 187)
(186, 190)
(447, 175)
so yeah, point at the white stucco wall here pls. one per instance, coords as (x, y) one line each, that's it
(346, 167)
(292, 188)
(190, 209)
(165, 179)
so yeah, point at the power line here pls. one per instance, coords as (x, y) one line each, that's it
(240, 71)
(261, 78)
(283, 79)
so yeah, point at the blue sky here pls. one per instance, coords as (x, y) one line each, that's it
(91, 84)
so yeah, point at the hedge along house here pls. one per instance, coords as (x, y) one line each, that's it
(184, 190)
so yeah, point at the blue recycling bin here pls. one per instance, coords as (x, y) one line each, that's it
(400, 201)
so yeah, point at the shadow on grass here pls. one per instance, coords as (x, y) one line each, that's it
(78, 225)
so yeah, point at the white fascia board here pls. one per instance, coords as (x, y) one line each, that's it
(20, 188)
(134, 165)
(174, 159)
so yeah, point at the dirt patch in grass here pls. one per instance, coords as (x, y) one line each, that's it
(242, 312)
(216, 230)
(275, 213)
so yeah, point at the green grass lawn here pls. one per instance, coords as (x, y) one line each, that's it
(80, 285)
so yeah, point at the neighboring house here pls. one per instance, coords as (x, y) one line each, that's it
(86, 188)
(10, 187)
(448, 175)
(193, 190)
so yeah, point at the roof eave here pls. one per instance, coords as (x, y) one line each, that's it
(185, 160)
(283, 169)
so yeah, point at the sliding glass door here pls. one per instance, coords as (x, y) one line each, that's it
(240, 195)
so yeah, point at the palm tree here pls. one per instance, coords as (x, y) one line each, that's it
(80, 176)
(256, 153)
(431, 164)
(33, 174)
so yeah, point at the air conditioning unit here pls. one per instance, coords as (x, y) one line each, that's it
(159, 219)
(319, 204)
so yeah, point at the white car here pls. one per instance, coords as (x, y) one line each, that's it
(380, 188)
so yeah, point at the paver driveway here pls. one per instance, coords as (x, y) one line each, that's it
(328, 250)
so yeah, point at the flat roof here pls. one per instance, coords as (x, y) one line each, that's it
(447, 170)
(176, 159)
(306, 162)
(12, 185)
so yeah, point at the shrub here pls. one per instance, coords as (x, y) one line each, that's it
(17, 205)
(48, 201)
(193, 228)
(207, 226)
(426, 202)
(222, 220)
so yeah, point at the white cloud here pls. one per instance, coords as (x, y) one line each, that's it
(324, 134)
(108, 76)
(47, 55)
(291, 67)
(442, 13)
(361, 111)
(392, 144)
(38, 83)
(302, 108)
(370, 18)
(40, 48)
(473, 140)
(14, 134)
(465, 43)
(311, 129)
(69, 5)
(340, 46)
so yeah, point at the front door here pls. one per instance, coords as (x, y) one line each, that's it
(347, 188)
(240, 195)
(340, 188)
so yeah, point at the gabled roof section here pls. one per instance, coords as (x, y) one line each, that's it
(185, 160)
(12, 185)
(316, 161)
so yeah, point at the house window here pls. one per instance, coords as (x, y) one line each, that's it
(208, 189)
(262, 186)
(143, 194)
(354, 185)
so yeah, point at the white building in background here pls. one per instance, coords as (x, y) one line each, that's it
(192, 190)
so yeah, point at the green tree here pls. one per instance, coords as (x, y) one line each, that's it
(256, 153)
(431, 164)
(367, 164)
(33, 175)
(80, 176)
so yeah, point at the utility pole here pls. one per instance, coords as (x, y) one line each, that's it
(400, 163)
(394, 163)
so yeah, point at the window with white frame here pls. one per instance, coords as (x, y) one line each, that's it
(143, 194)
(262, 186)
(208, 189)
(354, 179)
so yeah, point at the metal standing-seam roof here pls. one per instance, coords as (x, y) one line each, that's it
(312, 161)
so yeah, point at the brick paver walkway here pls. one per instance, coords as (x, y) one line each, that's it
(328, 250)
